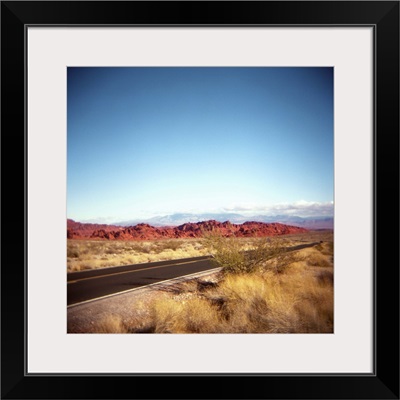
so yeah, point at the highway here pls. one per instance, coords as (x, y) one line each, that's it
(92, 284)
(88, 285)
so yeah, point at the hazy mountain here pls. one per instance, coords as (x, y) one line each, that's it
(305, 222)
(183, 218)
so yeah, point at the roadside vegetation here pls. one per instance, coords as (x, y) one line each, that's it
(261, 288)
(92, 254)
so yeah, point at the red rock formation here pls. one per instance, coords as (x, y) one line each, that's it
(76, 230)
(79, 230)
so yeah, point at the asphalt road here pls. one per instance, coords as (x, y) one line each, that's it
(88, 285)
(92, 284)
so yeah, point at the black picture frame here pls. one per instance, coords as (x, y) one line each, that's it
(16, 383)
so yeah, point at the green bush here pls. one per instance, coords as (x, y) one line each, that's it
(229, 253)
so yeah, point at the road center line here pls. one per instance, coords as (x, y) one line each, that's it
(128, 272)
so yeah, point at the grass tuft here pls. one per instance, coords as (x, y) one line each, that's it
(111, 324)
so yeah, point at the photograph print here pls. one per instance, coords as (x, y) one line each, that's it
(200, 200)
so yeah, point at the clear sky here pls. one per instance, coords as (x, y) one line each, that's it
(148, 141)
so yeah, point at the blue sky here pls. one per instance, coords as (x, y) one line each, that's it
(148, 141)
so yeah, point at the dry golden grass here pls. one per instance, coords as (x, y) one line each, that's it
(93, 254)
(271, 303)
(193, 315)
(111, 324)
(296, 299)
(286, 292)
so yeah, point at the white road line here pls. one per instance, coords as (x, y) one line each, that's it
(145, 287)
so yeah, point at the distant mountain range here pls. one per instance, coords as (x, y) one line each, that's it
(142, 231)
(182, 218)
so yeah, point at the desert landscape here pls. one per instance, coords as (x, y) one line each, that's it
(280, 283)
(200, 199)
(99, 246)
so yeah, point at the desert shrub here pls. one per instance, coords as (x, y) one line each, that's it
(111, 251)
(72, 253)
(325, 277)
(169, 244)
(227, 252)
(234, 255)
